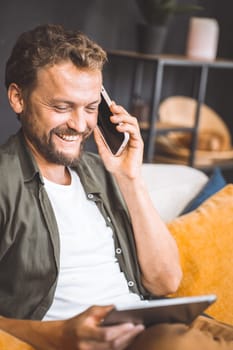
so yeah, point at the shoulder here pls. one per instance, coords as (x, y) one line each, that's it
(8, 156)
(15, 164)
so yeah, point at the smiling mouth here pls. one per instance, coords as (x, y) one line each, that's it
(68, 138)
(70, 135)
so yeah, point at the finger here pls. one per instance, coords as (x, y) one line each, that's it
(134, 132)
(93, 345)
(126, 123)
(116, 337)
(119, 343)
(117, 109)
(126, 339)
(110, 333)
(113, 332)
(126, 127)
(124, 118)
(94, 331)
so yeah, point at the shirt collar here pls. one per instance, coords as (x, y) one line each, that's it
(86, 172)
(29, 166)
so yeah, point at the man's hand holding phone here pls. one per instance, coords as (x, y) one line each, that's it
(114, 140)
(126, 158)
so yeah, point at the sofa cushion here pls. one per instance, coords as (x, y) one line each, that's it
(172, 187)
(214, 184)
(205, 238)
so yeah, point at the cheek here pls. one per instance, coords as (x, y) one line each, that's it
(49, 121)
(39, 119)
(42, 126)
(92, 121)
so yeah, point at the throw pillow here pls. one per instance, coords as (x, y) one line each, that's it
(172, 187)
(205, 239)
(215, 183)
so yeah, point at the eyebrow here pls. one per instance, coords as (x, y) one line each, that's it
(55, 100)
(94, 102)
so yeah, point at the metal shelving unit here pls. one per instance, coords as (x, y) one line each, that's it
(159, 64)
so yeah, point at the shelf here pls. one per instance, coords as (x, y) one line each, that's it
(153, 127)
(170, 151)
(225, 164)
(173, 60)
(163, 128)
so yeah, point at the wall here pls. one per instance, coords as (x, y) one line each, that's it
(220, 87)
(100, 19)
(113, 25)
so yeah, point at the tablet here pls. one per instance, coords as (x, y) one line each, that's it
(181, 310)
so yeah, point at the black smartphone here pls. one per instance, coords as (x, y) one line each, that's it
(114, 140)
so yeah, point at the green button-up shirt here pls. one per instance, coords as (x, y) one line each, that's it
(29, 238)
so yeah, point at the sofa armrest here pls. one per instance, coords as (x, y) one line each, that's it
(8, 342)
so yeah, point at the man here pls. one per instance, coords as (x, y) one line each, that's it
(76, 229)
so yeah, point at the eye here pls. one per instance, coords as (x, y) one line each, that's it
(61, 108)
(92, 108)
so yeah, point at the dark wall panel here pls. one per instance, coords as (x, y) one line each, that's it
(114, 25)
(106, 21)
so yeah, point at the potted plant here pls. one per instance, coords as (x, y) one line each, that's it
(156, 14)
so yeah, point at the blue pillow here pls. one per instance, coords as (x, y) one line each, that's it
(215, 184)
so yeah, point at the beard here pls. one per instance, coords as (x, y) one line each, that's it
(47, 148)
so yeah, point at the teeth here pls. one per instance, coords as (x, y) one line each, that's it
(68, 137)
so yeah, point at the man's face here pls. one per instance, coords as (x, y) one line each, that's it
(61, 112)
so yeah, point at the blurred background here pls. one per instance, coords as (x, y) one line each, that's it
(113, 24)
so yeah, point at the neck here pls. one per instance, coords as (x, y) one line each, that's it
(56, 173)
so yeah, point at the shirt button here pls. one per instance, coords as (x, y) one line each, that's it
(90, 196)
(130, 283)
(118, 251)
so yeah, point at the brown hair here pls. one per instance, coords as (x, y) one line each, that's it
(49, 45)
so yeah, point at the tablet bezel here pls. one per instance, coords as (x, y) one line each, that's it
(167, 310)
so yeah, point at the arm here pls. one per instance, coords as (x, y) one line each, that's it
(157, 251)
(82, 331)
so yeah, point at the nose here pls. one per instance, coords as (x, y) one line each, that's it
(77, 121)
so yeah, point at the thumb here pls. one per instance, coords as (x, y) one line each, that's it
(98, 313)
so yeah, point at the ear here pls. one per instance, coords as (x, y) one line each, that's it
(15, 98)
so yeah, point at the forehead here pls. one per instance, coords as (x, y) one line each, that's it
(66, 78)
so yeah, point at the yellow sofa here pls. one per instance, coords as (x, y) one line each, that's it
(8, 342)
(205, 239)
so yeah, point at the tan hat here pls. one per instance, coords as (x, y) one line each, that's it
(180, 111)
(214, 139)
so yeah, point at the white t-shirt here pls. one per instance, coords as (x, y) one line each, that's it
(89, 271)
